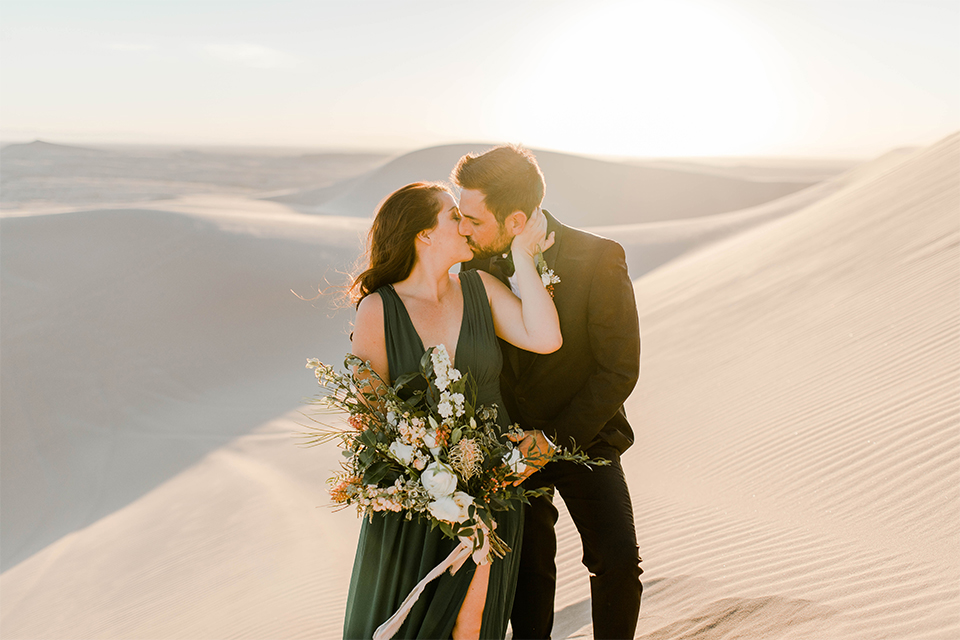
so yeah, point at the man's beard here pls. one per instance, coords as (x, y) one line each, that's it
(499, 246)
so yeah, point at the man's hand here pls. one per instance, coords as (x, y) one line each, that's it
(535, 447)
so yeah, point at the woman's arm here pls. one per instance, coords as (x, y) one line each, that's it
(369, 343)
(530, 321)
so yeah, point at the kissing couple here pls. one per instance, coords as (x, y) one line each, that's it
(560, 363)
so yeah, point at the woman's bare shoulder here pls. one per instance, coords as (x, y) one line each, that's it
(369, 320)
(371, 304)
(369, 338)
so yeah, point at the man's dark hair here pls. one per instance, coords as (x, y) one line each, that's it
(508, 177)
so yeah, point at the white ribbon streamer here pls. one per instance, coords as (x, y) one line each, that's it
(453, 562)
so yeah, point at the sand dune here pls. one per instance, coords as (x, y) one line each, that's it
(135, 329)
(796, 472)
(651, 244)
(797, 469)
(590, 192)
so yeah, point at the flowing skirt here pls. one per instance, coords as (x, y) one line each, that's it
(394, 553)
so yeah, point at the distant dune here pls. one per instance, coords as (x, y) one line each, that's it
(796, 471)
(759, 169)
(38, 149)
(40, 176)
(649, 245)
(582, 191)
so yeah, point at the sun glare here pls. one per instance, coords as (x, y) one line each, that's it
(650, 79)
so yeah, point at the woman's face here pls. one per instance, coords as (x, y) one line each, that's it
(446, 236)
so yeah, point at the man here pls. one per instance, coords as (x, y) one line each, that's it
(575, 396)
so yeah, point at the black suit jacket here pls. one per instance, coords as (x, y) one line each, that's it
(576, 394)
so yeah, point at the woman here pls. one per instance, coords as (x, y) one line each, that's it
(408, 300)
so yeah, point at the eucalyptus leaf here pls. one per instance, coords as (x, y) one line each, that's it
(426, 363)
(368, 438)
(376, 472)
(487, 518)
(406, 378)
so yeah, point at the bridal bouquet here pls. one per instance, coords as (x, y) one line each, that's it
(425, 448)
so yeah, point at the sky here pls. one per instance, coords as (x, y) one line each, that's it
(823, 78)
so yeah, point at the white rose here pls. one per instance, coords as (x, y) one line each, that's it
(439, 480)
(453, 508)
(404, 452)
(463, 500)
(514, 460)
(444, 509)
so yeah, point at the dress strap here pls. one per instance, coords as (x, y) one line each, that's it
(477, 312)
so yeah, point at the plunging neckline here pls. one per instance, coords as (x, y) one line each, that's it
(463, 324)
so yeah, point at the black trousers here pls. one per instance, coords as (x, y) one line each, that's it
(598, 500)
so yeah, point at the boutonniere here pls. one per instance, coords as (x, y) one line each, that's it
(547, 276)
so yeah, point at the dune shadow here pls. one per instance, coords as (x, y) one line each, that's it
(570, 620)
(135, 342)
(567, 622)
(767, 617)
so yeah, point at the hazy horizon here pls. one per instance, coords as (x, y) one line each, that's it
(289, 150)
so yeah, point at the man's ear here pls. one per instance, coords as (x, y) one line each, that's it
(515, 222)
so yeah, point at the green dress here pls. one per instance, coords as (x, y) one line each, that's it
(394, 553)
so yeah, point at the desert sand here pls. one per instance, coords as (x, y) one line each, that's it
(796, 472)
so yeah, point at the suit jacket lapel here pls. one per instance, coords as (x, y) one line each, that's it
(550, 255)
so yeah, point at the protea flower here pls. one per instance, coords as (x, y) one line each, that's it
(466, 457)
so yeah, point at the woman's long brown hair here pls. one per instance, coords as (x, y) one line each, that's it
(391, 243)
